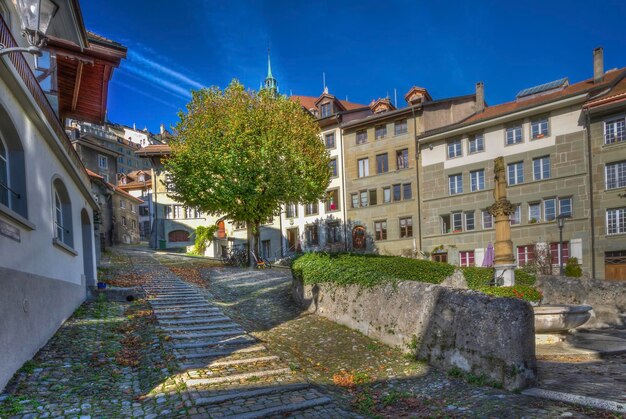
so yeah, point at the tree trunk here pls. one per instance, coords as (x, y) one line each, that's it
(251, 242)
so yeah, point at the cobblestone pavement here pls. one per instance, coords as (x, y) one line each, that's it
(216, 342)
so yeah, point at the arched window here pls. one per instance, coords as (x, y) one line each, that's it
(62, 213)
(12, 168)
(358, 237)
(178, 236)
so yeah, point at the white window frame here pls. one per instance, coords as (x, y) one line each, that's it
(618, 133)
(513, 135)
(516, 217)
(518, 173)
(485, 214)
(539, 168)
(465, 254)
(455, 184)
(467, 216)
(456, 220)
(380, 131)
(619, 219)
(455, 149)
(6, 172)
(539, 128)
(618, 175)
(550, 217)
(400, 127)
(477, 180)
(538, 215)
(59, 231)
(103, 159)
(571, 206)
(476, 144)
(363, 167)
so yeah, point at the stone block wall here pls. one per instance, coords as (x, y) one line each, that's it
(608, 298)
(446, 327)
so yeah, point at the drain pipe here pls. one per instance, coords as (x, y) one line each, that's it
(417, 176)
(591, 199)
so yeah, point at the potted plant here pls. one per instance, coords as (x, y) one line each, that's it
(532, 220)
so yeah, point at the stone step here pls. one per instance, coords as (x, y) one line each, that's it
(173, 309)
(194, 320)
(235, 395)
(196, 302)
(218, 334)
(285, 409)
(218, 364)
(214, 326)
(189, 316)
(176, 294)
(192, 382)
(221, 352)
(237, 340)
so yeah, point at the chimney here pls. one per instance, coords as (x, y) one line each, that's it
(598, 65)
(480, 96)
(162, 129)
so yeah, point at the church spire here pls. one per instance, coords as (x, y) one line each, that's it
(270, 82)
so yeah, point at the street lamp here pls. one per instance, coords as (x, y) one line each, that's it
(35, 16)
(561, 221)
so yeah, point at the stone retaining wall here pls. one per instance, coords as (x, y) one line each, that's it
(608, 298)
(447, 327)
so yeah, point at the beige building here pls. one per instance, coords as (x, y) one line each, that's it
(542, 137)
(382, 197)
(605, 117)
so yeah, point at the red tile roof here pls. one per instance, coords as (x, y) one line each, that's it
(617, 93)
(93, 175)
(576, 88)
(125, 194)
(309, 102)
(154, 150)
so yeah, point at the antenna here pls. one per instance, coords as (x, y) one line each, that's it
(324, 81)
(290, 92)
(346, 98)
(395, 97)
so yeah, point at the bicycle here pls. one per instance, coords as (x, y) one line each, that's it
(261, 262)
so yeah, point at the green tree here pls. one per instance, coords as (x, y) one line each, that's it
(242, 154)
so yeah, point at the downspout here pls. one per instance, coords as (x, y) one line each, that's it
(154, 207)
(417, 175)
(591, 198)
(282, 239)
(343, 189)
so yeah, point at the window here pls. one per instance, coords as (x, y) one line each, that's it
(12, 175)
(539, 128)
(549, 209)
(397, 193)
(311, 208)
(457, 222)
(120, 160)
(407, 191)
(406, 227)
(525, 255)
(240, 225)
(168, 212)
(454, 149)
(456, 184)
(333, 167)
(534, 212)
(487, 220)
(515, 173)
(382, 163)
(400, 127)
(402, 159)
(364, 167)
(178, 212)
(614, 131)
(615, 175)
(445, 224)
(373, 197)
(565, 206)
(333, 232)
(556, 254)
(363, 196)
(469, 221)
(616, 221)
(132, 207)
(4, 175)
(386, 195)
(332, 200)
(103, 162)
(477, 180)
(516, 217)
(355, 200)
(466, 258)
(291, 211)
(123, 203)
(62, 214)
(326, 109)
(541, 168)
(133, 223)
(361, 136)
(329, 140)
(311, 234)
(381, 132)
(476, 143)
(514, 135)
(380, 230)
(124, 221)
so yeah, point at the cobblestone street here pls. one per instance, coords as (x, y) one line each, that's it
(211, 341)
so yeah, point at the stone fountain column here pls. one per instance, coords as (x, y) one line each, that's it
(501, 210)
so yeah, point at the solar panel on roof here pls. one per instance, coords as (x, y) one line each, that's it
(543, 87)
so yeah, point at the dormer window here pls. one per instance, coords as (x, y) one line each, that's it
(326, 109)
(142, 177)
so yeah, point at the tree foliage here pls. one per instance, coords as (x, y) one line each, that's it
(241, 154)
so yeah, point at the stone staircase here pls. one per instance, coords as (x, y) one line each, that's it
(227, 372)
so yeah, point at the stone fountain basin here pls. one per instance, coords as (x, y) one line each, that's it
(557, 318)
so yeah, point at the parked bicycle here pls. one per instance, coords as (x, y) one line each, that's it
(234, 257)
(261, 262)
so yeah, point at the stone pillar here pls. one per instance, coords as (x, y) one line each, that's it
(501, 210)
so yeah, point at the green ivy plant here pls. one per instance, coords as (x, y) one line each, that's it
(203, 236)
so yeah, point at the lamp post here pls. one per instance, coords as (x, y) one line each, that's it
(561, 222)
(35, 16)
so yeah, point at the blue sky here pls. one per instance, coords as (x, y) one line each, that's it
(366, 48)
